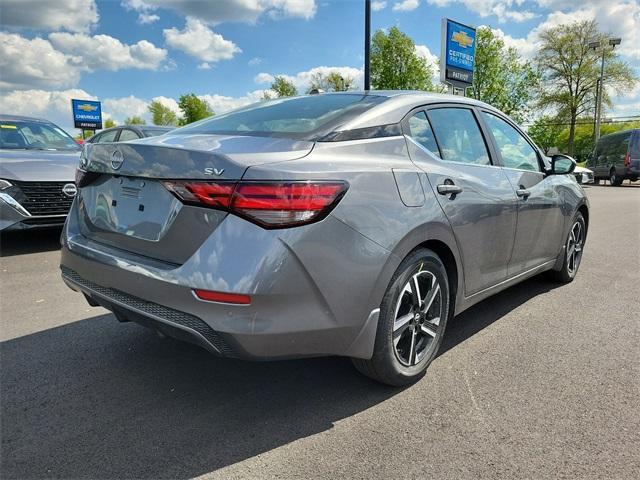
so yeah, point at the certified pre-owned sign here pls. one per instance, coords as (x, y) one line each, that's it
(457, 58)
(87, 114)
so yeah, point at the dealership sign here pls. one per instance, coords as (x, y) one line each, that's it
(458, 50)
(87, 114)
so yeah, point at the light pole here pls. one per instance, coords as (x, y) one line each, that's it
(367, 43)
(612, 42)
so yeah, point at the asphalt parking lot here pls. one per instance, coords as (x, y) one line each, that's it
(540, 381)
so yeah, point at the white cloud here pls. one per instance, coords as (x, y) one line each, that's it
(432, 59)
(215, 12)
(198, 41)
(170, 103)
(121, 108)
(59, 61)
(73, 15)
(378, 5)
(204, 66)
(102, 52)
(254, 62)
(302, 80)
(52, 105)
(264, 78)
(146, 18)
(617, 19)
(405, 6)
(505, 10)
(28, 63)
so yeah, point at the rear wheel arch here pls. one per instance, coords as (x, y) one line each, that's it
(584, 210)
(449, 260)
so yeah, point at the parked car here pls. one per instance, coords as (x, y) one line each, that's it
(38, 161)
(353, 224)
(617, 157)
(125, 133)
(583, 175)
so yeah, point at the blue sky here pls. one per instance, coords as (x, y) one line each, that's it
(128, 52)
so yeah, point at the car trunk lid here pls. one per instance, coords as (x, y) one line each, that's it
(127, 205)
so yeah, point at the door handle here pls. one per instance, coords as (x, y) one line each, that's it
(449, 189)
(523, 192)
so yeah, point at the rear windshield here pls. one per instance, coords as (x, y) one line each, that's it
(28, 135)
(297, 117)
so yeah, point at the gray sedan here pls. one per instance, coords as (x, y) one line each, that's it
(353, 224)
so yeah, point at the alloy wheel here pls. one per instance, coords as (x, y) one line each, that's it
(418, 314)
(575, 244)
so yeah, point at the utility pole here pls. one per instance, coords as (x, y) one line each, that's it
(367, 43)
(612, 42)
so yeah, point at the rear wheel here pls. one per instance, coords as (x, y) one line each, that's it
(573, 251)
(413, 317)
(614, 178)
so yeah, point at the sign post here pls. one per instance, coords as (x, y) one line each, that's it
(87, 115)
(457, 55)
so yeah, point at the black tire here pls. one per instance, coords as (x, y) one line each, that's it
(392, 359)
(571, 265)
(615, 179)
(596, 181)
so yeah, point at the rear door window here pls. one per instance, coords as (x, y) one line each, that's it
(420, 131)
(458, 135)
(109, 136)
(127, 134)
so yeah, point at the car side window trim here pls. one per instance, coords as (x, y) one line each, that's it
(404, 123)
(487, 130)
(462, 106)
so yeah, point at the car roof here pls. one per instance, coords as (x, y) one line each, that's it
(20, 118)
(398, 103)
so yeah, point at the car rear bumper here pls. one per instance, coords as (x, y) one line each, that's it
(298, 308)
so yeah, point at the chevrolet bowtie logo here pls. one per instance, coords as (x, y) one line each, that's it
(87, 108)
(462, 39)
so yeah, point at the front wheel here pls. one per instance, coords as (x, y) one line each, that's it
(574, 248)
(413, 317)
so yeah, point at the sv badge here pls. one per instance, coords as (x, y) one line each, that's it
(213, 171)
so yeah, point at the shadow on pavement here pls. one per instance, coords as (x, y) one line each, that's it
(96, 398)
(29, 241)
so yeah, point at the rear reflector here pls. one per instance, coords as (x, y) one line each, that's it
(269, 204)
(222, 297)
(627, 160)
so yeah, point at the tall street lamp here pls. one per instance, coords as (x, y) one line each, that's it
(612, 42)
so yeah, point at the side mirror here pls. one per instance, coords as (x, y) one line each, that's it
(562, 164)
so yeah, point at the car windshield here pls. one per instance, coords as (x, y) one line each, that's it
(297, 117)
(29, 135)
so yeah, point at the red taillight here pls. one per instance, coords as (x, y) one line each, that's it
(207, 193)
(627, 160)
(270, 204)
(222, 297)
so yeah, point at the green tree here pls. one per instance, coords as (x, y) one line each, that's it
(395, 64)
(501, 78)
(570, 70)
(109, 123)
(283, 87)
(334, 81)
(193, 108)
(546, 131)
(161, 114)
(135, 120)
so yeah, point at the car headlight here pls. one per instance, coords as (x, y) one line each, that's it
(4, 184)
